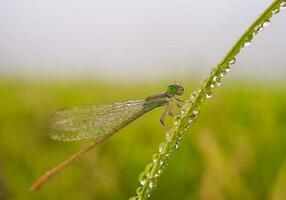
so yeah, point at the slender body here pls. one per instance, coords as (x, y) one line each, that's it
(99, 122)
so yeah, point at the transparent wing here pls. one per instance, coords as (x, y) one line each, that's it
(91, 121)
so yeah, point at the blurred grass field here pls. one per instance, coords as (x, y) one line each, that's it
(236, 150)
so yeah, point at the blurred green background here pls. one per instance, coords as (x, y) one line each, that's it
(56, 54)
(236, 150)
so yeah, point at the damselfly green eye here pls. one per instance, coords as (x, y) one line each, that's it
(175, 89)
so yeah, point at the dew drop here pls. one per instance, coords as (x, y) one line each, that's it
(192, 96)
(155, 157)
(192, 117)
(148, 194)
(195, 112)
(227, 69)
(180, 134)
(176, 146)
(218, 84)
(266, 23)
(275, 11)
(232, 61)
(156, 175)
(161, 147)
(258, 28)
(222, 73)
(152, 183)
(182, 112)
(247, 44)
(209, 95)
(176, 123)
(142, 178)
(283, 5)
(190, 121)
(212, 85)
(168, 136)
(215, 78)
(166, 163)
(139, 191)
(148, 169)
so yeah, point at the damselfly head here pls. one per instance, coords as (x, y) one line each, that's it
(175, 89)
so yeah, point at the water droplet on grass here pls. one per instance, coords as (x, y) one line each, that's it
(192, 96)
(161, 147)
(139, 191)
(209, 95)
(247, 44)
(168, 136)
(155, 157)
(190, 120)
(232, 61)
(196, 111)
(275, 11)
(258, 29)
(176, 146)
(215, 78)
(266, 23)
(152, 183)
(148, 169)
(180, 136)
(222, 73)
(142, 178)
(148, 194)
(283, 5)
(218, 83)
(176, 123)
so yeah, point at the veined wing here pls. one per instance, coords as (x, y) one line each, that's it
(92, 121)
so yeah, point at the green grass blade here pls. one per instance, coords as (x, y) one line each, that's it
(148, 178)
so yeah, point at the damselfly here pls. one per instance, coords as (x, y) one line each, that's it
(99, 122)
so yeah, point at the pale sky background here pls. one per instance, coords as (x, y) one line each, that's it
(136, 38)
